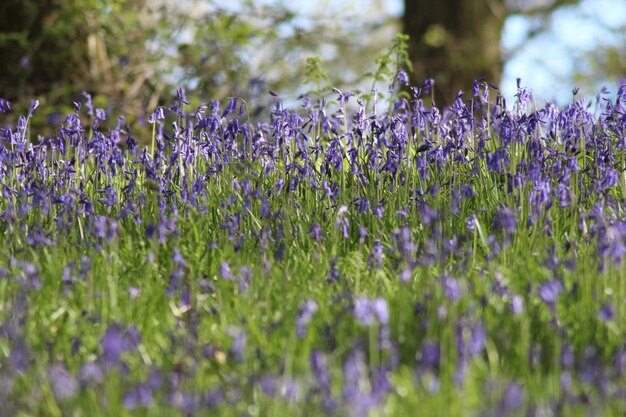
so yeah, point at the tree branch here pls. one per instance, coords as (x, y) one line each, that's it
(542, 9)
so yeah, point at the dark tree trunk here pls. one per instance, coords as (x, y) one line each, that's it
(454, 42)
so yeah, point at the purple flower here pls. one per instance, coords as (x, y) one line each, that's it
(342, 222)
(513, 397)
(238, 346)
(333, 273)
(376, 256)
(20, 356)
(566, 381)
(159, 114)
(605, 314)
(477, 340)
(226, 272)
(180, 95)
(289, 389)
(476, 86)
(353, 373)
(184, 401)
(5, 106)
(621, 91)
(430, 355)
(505, 220)
(133, 292)
(63, 384)
(116, 341)
(362, 233)
(316, 232)
(381, 311)
(90, 373)
(101, 114)
(105, 228)
(567, 356)
(139, 396)
(269, 385)
(320, 369)
(451, 288)
(402, 78)
(470, 222)
(362, 311)
(550, 291)
(34, 104)
(378, 211)
(517, 305)
(305, 314)
(110, 196)
(429, 83)
(370, 311)
(88, 103)
(213, 398)
(265, 211)
(405, 275)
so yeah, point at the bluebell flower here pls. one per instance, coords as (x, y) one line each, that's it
(138, 396)
(64, 385)
(369, 311)
(5, 105)
(550, 291)
(402, 78)
(305, 314)
(116, 341)
(430, 357)
(605, 314)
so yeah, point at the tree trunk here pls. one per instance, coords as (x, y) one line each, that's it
(454, 42)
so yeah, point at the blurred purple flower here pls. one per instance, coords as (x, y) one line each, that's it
(478, 339)
(429, 83)
(90, 373)
(116, 341)
(451, 288)
(226, 272)
(402, 78)
(369, 311)
(316, 232)
(34, 105)
(513, 398)
(5, 106)
(333, 272)
(63, 384)
(376, 256)
(269, 385)
(517, 305)
(550, 291)
(567, 356)
(138, 396)
(505, 221)
(430, 356)
(305, 314)
(238, 346)
(88, 103)
(184, 401)
(605, 314)
(405, 275)
(320, 369)
(133, 292)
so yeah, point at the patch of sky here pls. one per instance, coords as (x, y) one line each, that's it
(545, 62)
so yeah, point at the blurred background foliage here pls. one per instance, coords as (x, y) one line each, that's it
(131, 55)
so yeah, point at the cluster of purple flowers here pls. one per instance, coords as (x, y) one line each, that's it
(217, 207)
